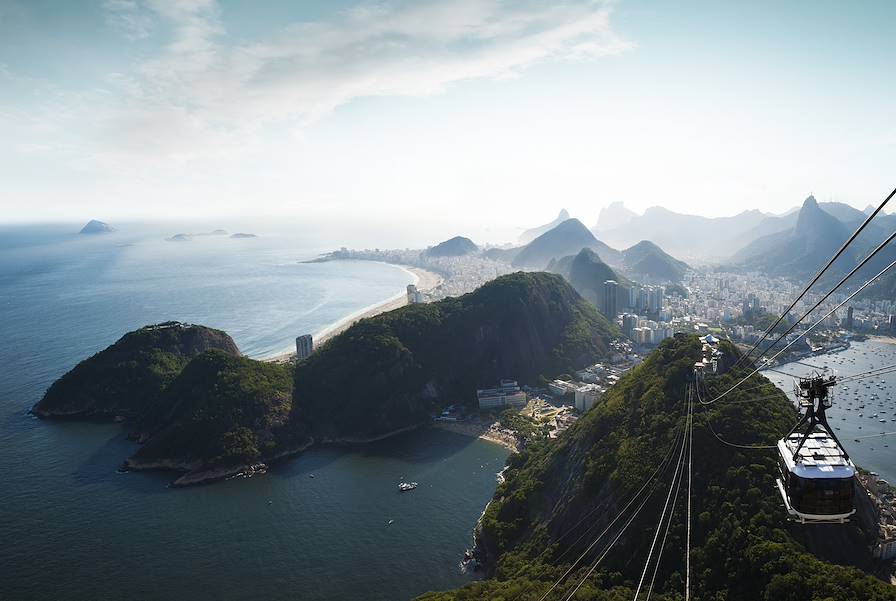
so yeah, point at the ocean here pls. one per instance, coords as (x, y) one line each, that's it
(850, 422)
(74, 528)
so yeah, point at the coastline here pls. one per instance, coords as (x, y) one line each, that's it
(883, 339)
(486, 430)
(423, 279)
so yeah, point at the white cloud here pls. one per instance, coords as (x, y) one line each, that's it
(204, 94)
(127, 17)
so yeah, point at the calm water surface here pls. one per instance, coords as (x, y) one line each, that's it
(878, 394)
(73, 528)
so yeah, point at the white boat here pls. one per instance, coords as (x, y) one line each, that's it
(406, 486)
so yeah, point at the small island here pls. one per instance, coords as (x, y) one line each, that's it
(94, 227)
(243, 235)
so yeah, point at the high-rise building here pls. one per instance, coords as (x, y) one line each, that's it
(414, 295)
(893, 323)
(629, 323)
(655, 299)
(643, 301)
(610, 292)
(849, 318)
(304, 346)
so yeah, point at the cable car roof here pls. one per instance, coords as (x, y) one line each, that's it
(820, 457)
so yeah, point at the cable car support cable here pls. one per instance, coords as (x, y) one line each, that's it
(818, 275)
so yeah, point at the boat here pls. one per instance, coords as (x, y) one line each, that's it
(406, 486)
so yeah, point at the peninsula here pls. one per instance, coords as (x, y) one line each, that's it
(201, 409)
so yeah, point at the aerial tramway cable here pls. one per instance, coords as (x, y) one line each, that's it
(871, 373)
(662, 518)
(818, 275)
(659, 558)
(800, 336)
(622, 530)
(660, 467)
(731, 444)
(842, 281)
(687, 579)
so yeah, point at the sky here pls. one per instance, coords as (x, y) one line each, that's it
(455, 111)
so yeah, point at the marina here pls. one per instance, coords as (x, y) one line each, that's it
(864, 411)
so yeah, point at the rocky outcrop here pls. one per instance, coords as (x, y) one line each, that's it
(128, 377)
(96, 227)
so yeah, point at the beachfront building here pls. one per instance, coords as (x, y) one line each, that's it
(506, 394)
(304, 346)
(414, 295)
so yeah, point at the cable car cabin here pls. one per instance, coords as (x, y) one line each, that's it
(817, 486)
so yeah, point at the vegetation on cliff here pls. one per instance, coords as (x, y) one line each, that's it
(383, 374)
(742, 547)
(220, 410)
(392, 371)
(129, 377)
(587, 274)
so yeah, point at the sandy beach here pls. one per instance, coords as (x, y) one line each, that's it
(424, 280)
(884, 339)
(485, 429)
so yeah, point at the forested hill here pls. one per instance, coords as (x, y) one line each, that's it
(559, 495)
(394, 370)
(128, 377)
(201, 408)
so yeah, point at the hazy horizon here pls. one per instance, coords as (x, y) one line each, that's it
(126, 110)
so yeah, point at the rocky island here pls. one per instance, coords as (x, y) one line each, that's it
(96, 227)
(200, 408)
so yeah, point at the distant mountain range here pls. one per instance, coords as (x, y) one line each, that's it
(804, 241)
(454, 247)
(714, 240)
(566, 238)
(587, 274)
(689, 236)
(556, 249)
(800, 250)
(531, 234)
(650, 262)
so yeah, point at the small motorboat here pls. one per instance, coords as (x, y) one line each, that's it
(406, 486)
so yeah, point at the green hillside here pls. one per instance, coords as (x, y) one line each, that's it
(382, 375)
(742, 546)
(394, 370)
(220, 410)
(128, 377)
(587, 274)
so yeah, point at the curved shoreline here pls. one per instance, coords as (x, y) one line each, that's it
(423, 279)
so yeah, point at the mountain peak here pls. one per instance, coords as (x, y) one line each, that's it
(567, 238)
(810, 202)
(453, 247)
(613, 216)
(531, 234)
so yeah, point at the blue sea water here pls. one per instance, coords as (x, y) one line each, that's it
(73, 528)
(878, 395)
